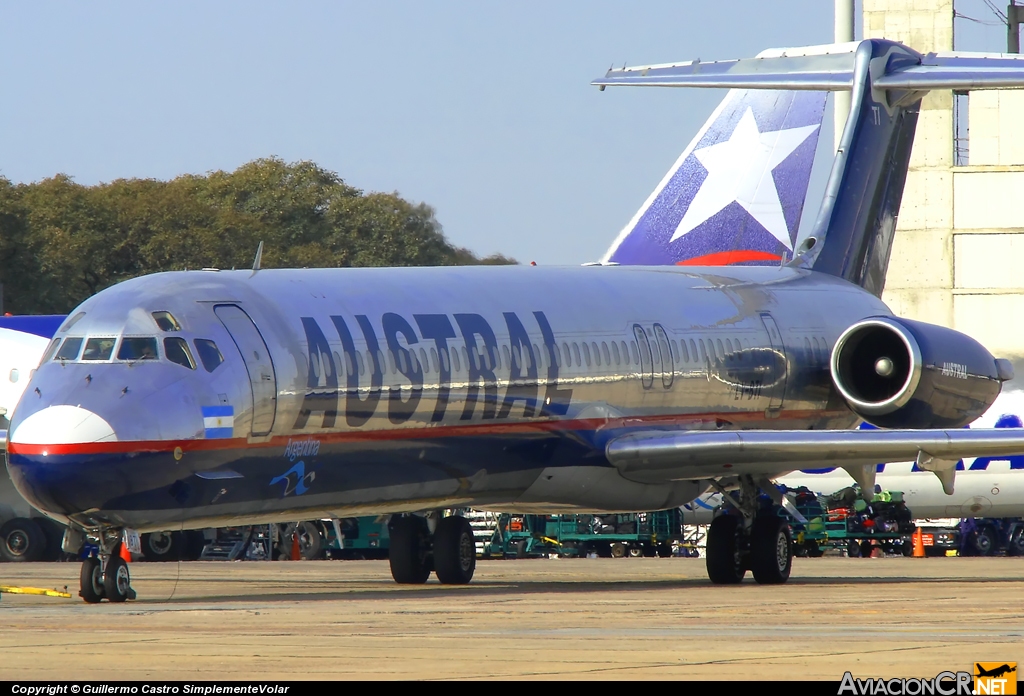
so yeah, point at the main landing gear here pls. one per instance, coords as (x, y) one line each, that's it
(105, 575)
(751, 536)
(421, 545)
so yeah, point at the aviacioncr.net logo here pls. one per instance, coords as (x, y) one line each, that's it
(943, 684)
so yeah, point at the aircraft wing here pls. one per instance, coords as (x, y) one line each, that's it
(660, 456)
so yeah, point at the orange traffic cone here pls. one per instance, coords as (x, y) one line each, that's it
(296, 555)
(918, 543)
(124, 553)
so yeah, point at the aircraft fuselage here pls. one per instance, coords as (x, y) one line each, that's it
(358, 391)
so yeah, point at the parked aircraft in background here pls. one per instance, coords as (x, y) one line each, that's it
(208, 398)
(22, 342)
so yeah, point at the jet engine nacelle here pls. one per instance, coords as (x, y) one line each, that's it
(897, 373)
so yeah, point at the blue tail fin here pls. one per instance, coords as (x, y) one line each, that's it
(853, 233)
(736, 194)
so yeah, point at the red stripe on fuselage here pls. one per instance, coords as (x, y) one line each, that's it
(422, 432)
(727, 258)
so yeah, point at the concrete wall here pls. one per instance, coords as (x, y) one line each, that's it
(958, 256)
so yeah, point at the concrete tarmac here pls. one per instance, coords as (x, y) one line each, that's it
(527, 619)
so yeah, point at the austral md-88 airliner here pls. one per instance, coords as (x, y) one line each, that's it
(193, 399)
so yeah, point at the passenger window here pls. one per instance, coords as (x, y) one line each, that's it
(633, 354)
(98, 348)
(728, 348)
(177, 352)
(540, 357)
(445, 362)
(456, 365)
(566, 355)
(693, 350)
(360, 365)
(424, 362)
(209, 354)
(50, 350)
(576, 354)
(166, 321)
(674, 349)
(339, 364)
(509, 357)
(349, 367)
(433, 359)
(721, 351)
(137, 348)
(615, 353)
(597, 353)
(686, 353)
(516, 359)
(605, 353)
(381, 366)
(69, 351)
(703, 352)
(586, 353)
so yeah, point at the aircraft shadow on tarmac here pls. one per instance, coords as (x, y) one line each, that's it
(367, 590)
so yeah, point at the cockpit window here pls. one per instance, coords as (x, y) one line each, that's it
(71, 322)
(166, 322)
(98, 348)
(50, 350)
(209, 354)
(69, 351)
(137, 349)
(177, 351)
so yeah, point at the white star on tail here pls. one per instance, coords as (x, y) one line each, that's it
(740, 169)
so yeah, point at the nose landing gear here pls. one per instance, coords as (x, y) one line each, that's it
(105, 576)
(419, 546)
(751, 537)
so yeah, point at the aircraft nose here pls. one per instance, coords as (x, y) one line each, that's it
(62, 425)
(42, 468)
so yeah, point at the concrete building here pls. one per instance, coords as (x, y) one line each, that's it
(958, 255)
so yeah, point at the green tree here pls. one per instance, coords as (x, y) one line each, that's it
(61, 242)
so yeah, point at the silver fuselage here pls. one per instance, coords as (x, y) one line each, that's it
(384, 390)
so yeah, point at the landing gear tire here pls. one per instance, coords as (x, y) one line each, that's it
(454, 551)
(22, 541)
(725, 567)
(771, 550)
(408, 553)
(117, 583)
(618, 550)
(91, 587)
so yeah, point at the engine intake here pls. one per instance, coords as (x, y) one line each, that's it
(898, 373)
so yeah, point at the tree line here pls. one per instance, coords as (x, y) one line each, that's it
(61, 242)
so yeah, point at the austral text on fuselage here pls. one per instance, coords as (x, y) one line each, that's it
(441, 333)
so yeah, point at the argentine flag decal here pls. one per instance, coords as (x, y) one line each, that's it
(219, 421)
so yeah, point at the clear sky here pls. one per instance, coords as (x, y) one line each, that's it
(482, 110)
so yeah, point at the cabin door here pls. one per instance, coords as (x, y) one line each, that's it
(257, 361)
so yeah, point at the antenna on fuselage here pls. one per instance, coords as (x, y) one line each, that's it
(259, 257)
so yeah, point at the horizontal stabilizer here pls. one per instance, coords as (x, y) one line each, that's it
(830, 68)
